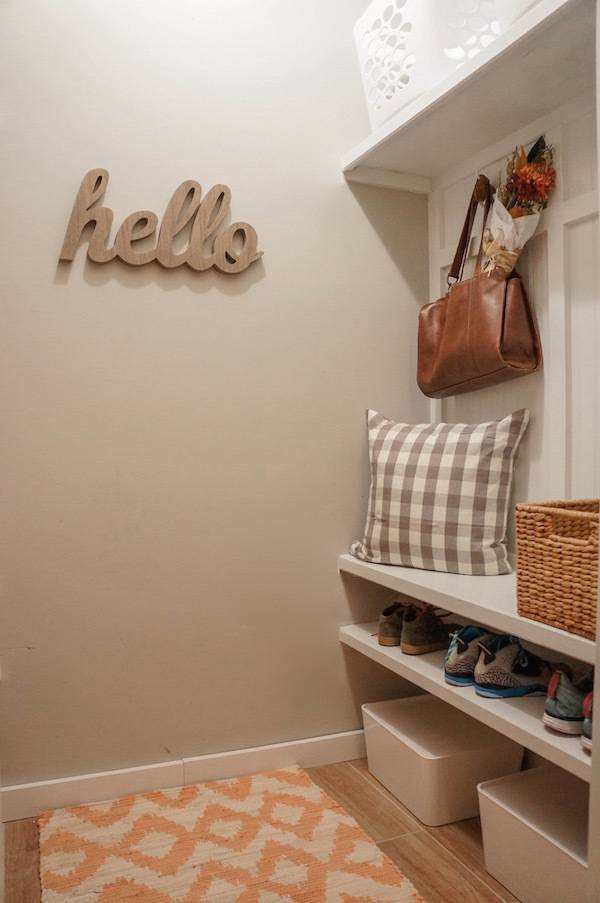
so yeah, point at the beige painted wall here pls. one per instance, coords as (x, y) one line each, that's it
(184, 454)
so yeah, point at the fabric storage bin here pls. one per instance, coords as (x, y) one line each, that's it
(557, 564)
(431, 756)
(405, 47)
(535, 834)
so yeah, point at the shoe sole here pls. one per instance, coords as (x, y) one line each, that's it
(408, 649)
(459, 681)
(508, 692)
(562, 725)
(389, 641)
(586, 743)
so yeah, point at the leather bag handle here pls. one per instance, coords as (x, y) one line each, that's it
(482, 194)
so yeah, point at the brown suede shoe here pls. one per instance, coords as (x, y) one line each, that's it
(424, 631)
(390, 625)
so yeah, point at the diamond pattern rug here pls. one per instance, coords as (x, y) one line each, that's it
(266, 838)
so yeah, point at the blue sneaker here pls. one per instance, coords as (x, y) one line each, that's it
(462, 655)
(505, 668)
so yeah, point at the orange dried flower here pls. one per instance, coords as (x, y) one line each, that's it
(532, 183)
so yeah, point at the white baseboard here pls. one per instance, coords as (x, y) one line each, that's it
(306, 753)
(27, 800)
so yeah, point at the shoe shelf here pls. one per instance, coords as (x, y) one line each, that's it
(488, 601)
(544, 60)
(519, 719)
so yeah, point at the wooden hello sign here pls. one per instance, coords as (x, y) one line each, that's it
(231, 251)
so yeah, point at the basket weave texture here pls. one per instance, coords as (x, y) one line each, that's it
(557, 564)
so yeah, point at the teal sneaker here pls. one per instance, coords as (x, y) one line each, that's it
(462, 655)
(586, 728)
(563, 711)
(390, 625)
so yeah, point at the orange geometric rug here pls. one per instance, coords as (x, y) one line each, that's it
(265, 838)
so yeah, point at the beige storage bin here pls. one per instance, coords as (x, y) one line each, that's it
(535, 834)
(431, 756)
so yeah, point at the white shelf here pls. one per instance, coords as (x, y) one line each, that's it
(489, 601)
(545, 59)
(519, 719)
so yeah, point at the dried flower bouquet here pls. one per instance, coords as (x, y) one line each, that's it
(519, 201)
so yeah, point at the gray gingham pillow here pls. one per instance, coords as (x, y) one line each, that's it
(440, 493)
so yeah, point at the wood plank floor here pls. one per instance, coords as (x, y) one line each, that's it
(445, 864)
(22, 873)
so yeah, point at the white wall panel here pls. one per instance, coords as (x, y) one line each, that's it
(583, 319)
(454, 199)
(580, 173)
(559, 456)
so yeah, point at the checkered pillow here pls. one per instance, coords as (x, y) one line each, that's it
(439, 494)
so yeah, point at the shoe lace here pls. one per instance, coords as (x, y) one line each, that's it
(523, 658)
(453, 643)
(453, 640)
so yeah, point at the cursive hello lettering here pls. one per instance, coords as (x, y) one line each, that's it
(231, 251)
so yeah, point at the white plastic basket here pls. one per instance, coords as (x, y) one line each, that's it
(511, 10)
(406, 46)
(535, 832)
(431, 756)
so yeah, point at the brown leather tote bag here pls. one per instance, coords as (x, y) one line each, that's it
(482, 331)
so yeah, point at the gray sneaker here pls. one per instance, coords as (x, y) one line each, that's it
(505, 668)
(390, 625)
(424, 631)
(462, 655)
(563, 711)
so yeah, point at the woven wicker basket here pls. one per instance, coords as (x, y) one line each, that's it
(557, 564)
